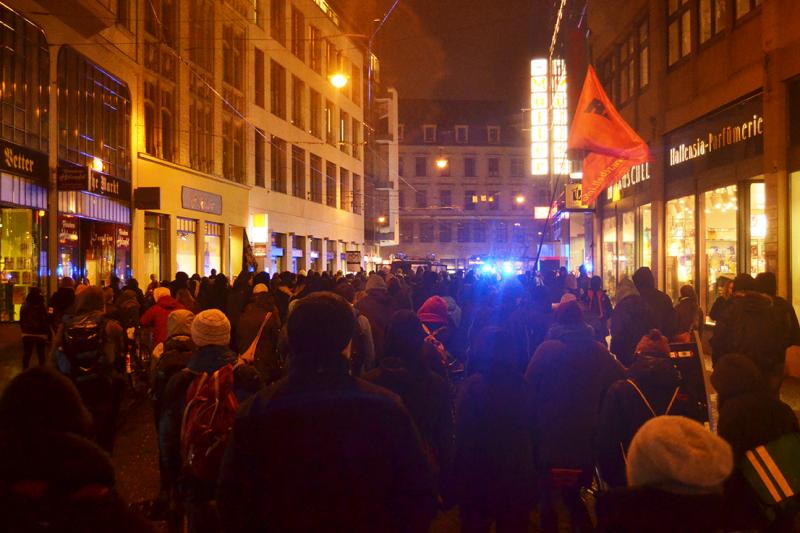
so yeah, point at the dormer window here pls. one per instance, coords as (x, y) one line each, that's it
(493, 134)
(462, 134)
(429, 133)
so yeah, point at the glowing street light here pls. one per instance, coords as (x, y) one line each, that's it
(381, 219)
(97, 164)
(338, 80)
(441, 163)
(519, 199)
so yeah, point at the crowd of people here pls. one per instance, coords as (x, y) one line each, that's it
(322, 402)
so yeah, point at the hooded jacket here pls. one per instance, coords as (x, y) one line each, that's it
(630, 321)
(378, 307)
(156, 317)
(569, 376)
(624, 411)
(266, 358)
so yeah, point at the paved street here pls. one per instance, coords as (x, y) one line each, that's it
(135, 457)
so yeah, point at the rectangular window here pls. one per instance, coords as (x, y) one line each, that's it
(627, 254)
(159, 119)
(644, 54)
(357, 195)
(355, 83)
(680, 262)
(277, 21)
(330, 131)
(626, 77)
(201, 27)
(331, 57)
(258, 79)
(712, 18)
(743, 7)
(401, 199)
(469, 167)
(298, 34)
(201, 125)
(261, 154)
(298, 172)
(233, 147)
(356, 136)
(212, 248)
(421, 199)
(429, 133)
(494, 166)
(278, 164)
(277, 90)
(679, 32)
(645, 236)
(344, 131)
(494, 201)
(758, 229)
(478, 231)
(330, 184)
(426, 230)
(493, 134)
(721, 235)
(462, 231)
(315, 114)
(233, 56)
(298, 95)
(186, 245)
(518, 233)
(156, 245)
(315, 49)
(445, 198)
(462, 134)
(344, 189)
(517, 167)
(316, 178)
(406, 232)
(500, 231)
(420, 166)
(470, 200)
(610, 254)
(445, 232)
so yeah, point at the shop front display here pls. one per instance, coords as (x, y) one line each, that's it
(680, 245)
(186, 246)
(721, 237)
(610, 255)
(212, 248)
(156, 246)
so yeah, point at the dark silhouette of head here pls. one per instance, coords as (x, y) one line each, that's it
(320, 326)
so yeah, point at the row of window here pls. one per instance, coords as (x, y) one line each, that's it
(625, 72)
(431, 134)
(308, 175)
(472, 200)
(465, 231)
(468, 167)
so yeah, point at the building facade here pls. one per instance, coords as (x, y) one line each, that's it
(711, 86)
(466, 194)
(155, 136)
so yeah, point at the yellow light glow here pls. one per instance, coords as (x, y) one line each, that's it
(441, 163)
(338, 80)
(381, 219)
(97, 164)
(519, 199)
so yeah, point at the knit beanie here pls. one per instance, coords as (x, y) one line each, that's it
(179, 322)
(569, 313)
(159, 293)
(653, 344)
(259, 288)
(375, 283)
(678, 455)
(567, 297)
(433, 311)
(211, 327)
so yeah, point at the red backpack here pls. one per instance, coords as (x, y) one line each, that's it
(207, 422)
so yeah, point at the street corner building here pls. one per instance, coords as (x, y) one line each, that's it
(712, 86)
(148, 137)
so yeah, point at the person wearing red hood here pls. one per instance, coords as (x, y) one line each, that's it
(156, 317)
(436, 324)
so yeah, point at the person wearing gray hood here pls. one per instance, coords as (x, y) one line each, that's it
(630, 321)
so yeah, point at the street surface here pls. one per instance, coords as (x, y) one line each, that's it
(135, 456)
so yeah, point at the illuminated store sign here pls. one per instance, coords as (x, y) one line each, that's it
(549, 117)
(733, 133)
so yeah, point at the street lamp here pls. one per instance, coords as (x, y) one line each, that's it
(97, 164)
(441, 163)
(381, 219)
(338, 80)
(519, 199)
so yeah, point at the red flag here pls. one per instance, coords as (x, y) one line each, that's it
(612, 144)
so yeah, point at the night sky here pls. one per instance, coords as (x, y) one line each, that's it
(456, 49)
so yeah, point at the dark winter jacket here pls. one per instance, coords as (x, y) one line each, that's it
(688, 316)
(156, 317)
(267, 361)
(377, 306)
(427, 398)
(323, 451)
(177, 352)
(61, 302)
(597, 310)
(493, 464)
(630, 321)
(656, 511)
(661, 310)
(624, 411)
(62, 480)
(569, 376)
(749, 416)
(206, 359)
(33, 318)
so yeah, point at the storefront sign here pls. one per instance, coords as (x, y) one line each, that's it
(636, 175)
(67, 229)
(731, 134)
(573, 198)
(72, 178)
(260, 249)
(353, 259)
(202, 201)
(23, 162)
(91, 181)
(123, 238)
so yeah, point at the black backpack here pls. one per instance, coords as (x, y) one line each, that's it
(83, 345)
